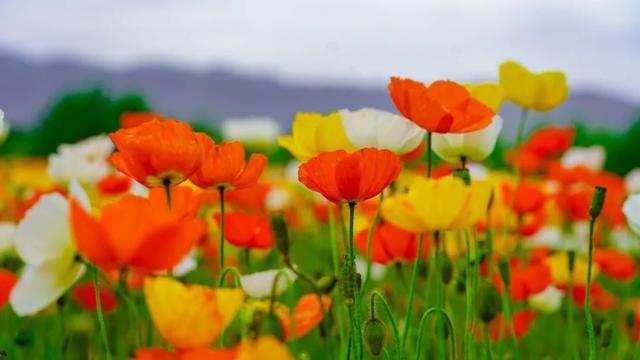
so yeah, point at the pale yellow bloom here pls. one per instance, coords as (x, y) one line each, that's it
(559, 265)
(541, 92)
(314, 133)
(265, 347)
(490, 94)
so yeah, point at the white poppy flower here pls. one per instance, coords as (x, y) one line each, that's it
(186, 265)
(7, 234)
(632, 181)
(43, 241)
(277, 199)
(473, 146)
(85, 161)
(258, 285)
(377, 270)
(590, 157)
(631, 210)
(548, 301)
(4, 128)
(554, 238)
(369, 127)
(625, 240)
(251, 129)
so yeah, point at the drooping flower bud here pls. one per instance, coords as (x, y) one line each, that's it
(374, 333)
(606, 333)
(505, 270)
(597, 201)
(463, 174)
(326, 284)
(281, 233)
(488, 301)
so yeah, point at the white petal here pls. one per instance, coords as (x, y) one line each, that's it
(77, 192)
(44, 233)
(186, 265)
(7, 235)
(258, 285)
(547, 301)
(40, 286)
(592, 157)
(631, 210)
(632, 181)
(474, 146)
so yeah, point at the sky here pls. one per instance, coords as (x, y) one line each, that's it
(596, 42)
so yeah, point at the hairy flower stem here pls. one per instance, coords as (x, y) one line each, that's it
(221, 252)
(356, 294)
(336, 272)
(468, 336)
(374, 222)
(412, 291)
(103, 328)
(587, 301)
(447, 321)
(439, 293)
(429, 153)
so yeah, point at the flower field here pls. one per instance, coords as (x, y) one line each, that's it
(387, 235)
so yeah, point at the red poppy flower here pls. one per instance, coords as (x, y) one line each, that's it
(549, 141)
(414, 154)
(251, 199)
(306, 316)
(574, 201)
(600, 298)
(158, 152)
(224, 166)
(85, 296)
(134, 232)
(358, 176)
(527, 281)
(389, 243)
(527, 161)
(556, 171)
(201, 353)
(7, 281)
(185, 203)
(442, 107)
(246, 230)
(522, 321)
(133, 119)
(528, 199)
(113, 184)
(615, 264)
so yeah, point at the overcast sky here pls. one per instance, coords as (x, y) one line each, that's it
(596, 42)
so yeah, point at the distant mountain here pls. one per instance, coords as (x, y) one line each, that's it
(28, 88)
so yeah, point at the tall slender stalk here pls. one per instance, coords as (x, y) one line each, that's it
(429, 153)
(394, 324)
(412, 291)
(356, 292)
(221, 190)
(336, 272)
(103, 328)
(447, 320)
(587, 301)
(374, 222)
(506, 301)
(469, 300)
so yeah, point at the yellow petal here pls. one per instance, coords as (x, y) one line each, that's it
(490, 94)
(265, 347)
(476, 207)
(559, 265)
(330, 135)
(519, 84)
(399, 211)
(552, 90)
(439, 202)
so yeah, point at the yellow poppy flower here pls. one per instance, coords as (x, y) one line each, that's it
(314, 133)
(490, 94)
(559, 265)
(262, 348)
(189, 316)
(442, 204)
(542, 92)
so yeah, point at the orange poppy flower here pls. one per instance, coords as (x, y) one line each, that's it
(246, 230)
(133, 119)
(85, 296)
(556, 171)
(113, 184)
(224, 166)
(158, 153)
(615, 264)
(390, 243)
(134, 233)
(522, 321)
(442, 107)
(549, 141)
(251, 199)
(527, 281)
(200, 353)
(7, 282)
(358, 176)
(527, 161)
(601, 299)
(306, 316)
(185, 203)
(528, 199)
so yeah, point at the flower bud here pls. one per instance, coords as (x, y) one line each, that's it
(505, 270)
(326, 284)
(463, 174)
(597, 201)
(346, 282)
(281, 233)
(446, 269)
(374, 333)
(487, 301)
(606, 333)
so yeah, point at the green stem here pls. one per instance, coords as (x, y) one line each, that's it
(167, 190)
(570, 316)
(103, 328)
(487, 342)
(412, 291)
(429, 153)
(221, 190)
(374, 222)
(447, 319)
(356, 292)
(236, 275)
(439, 292)
(506, 301)
(469, 298)
(394, 324)
(336, 272)
(587, 301)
